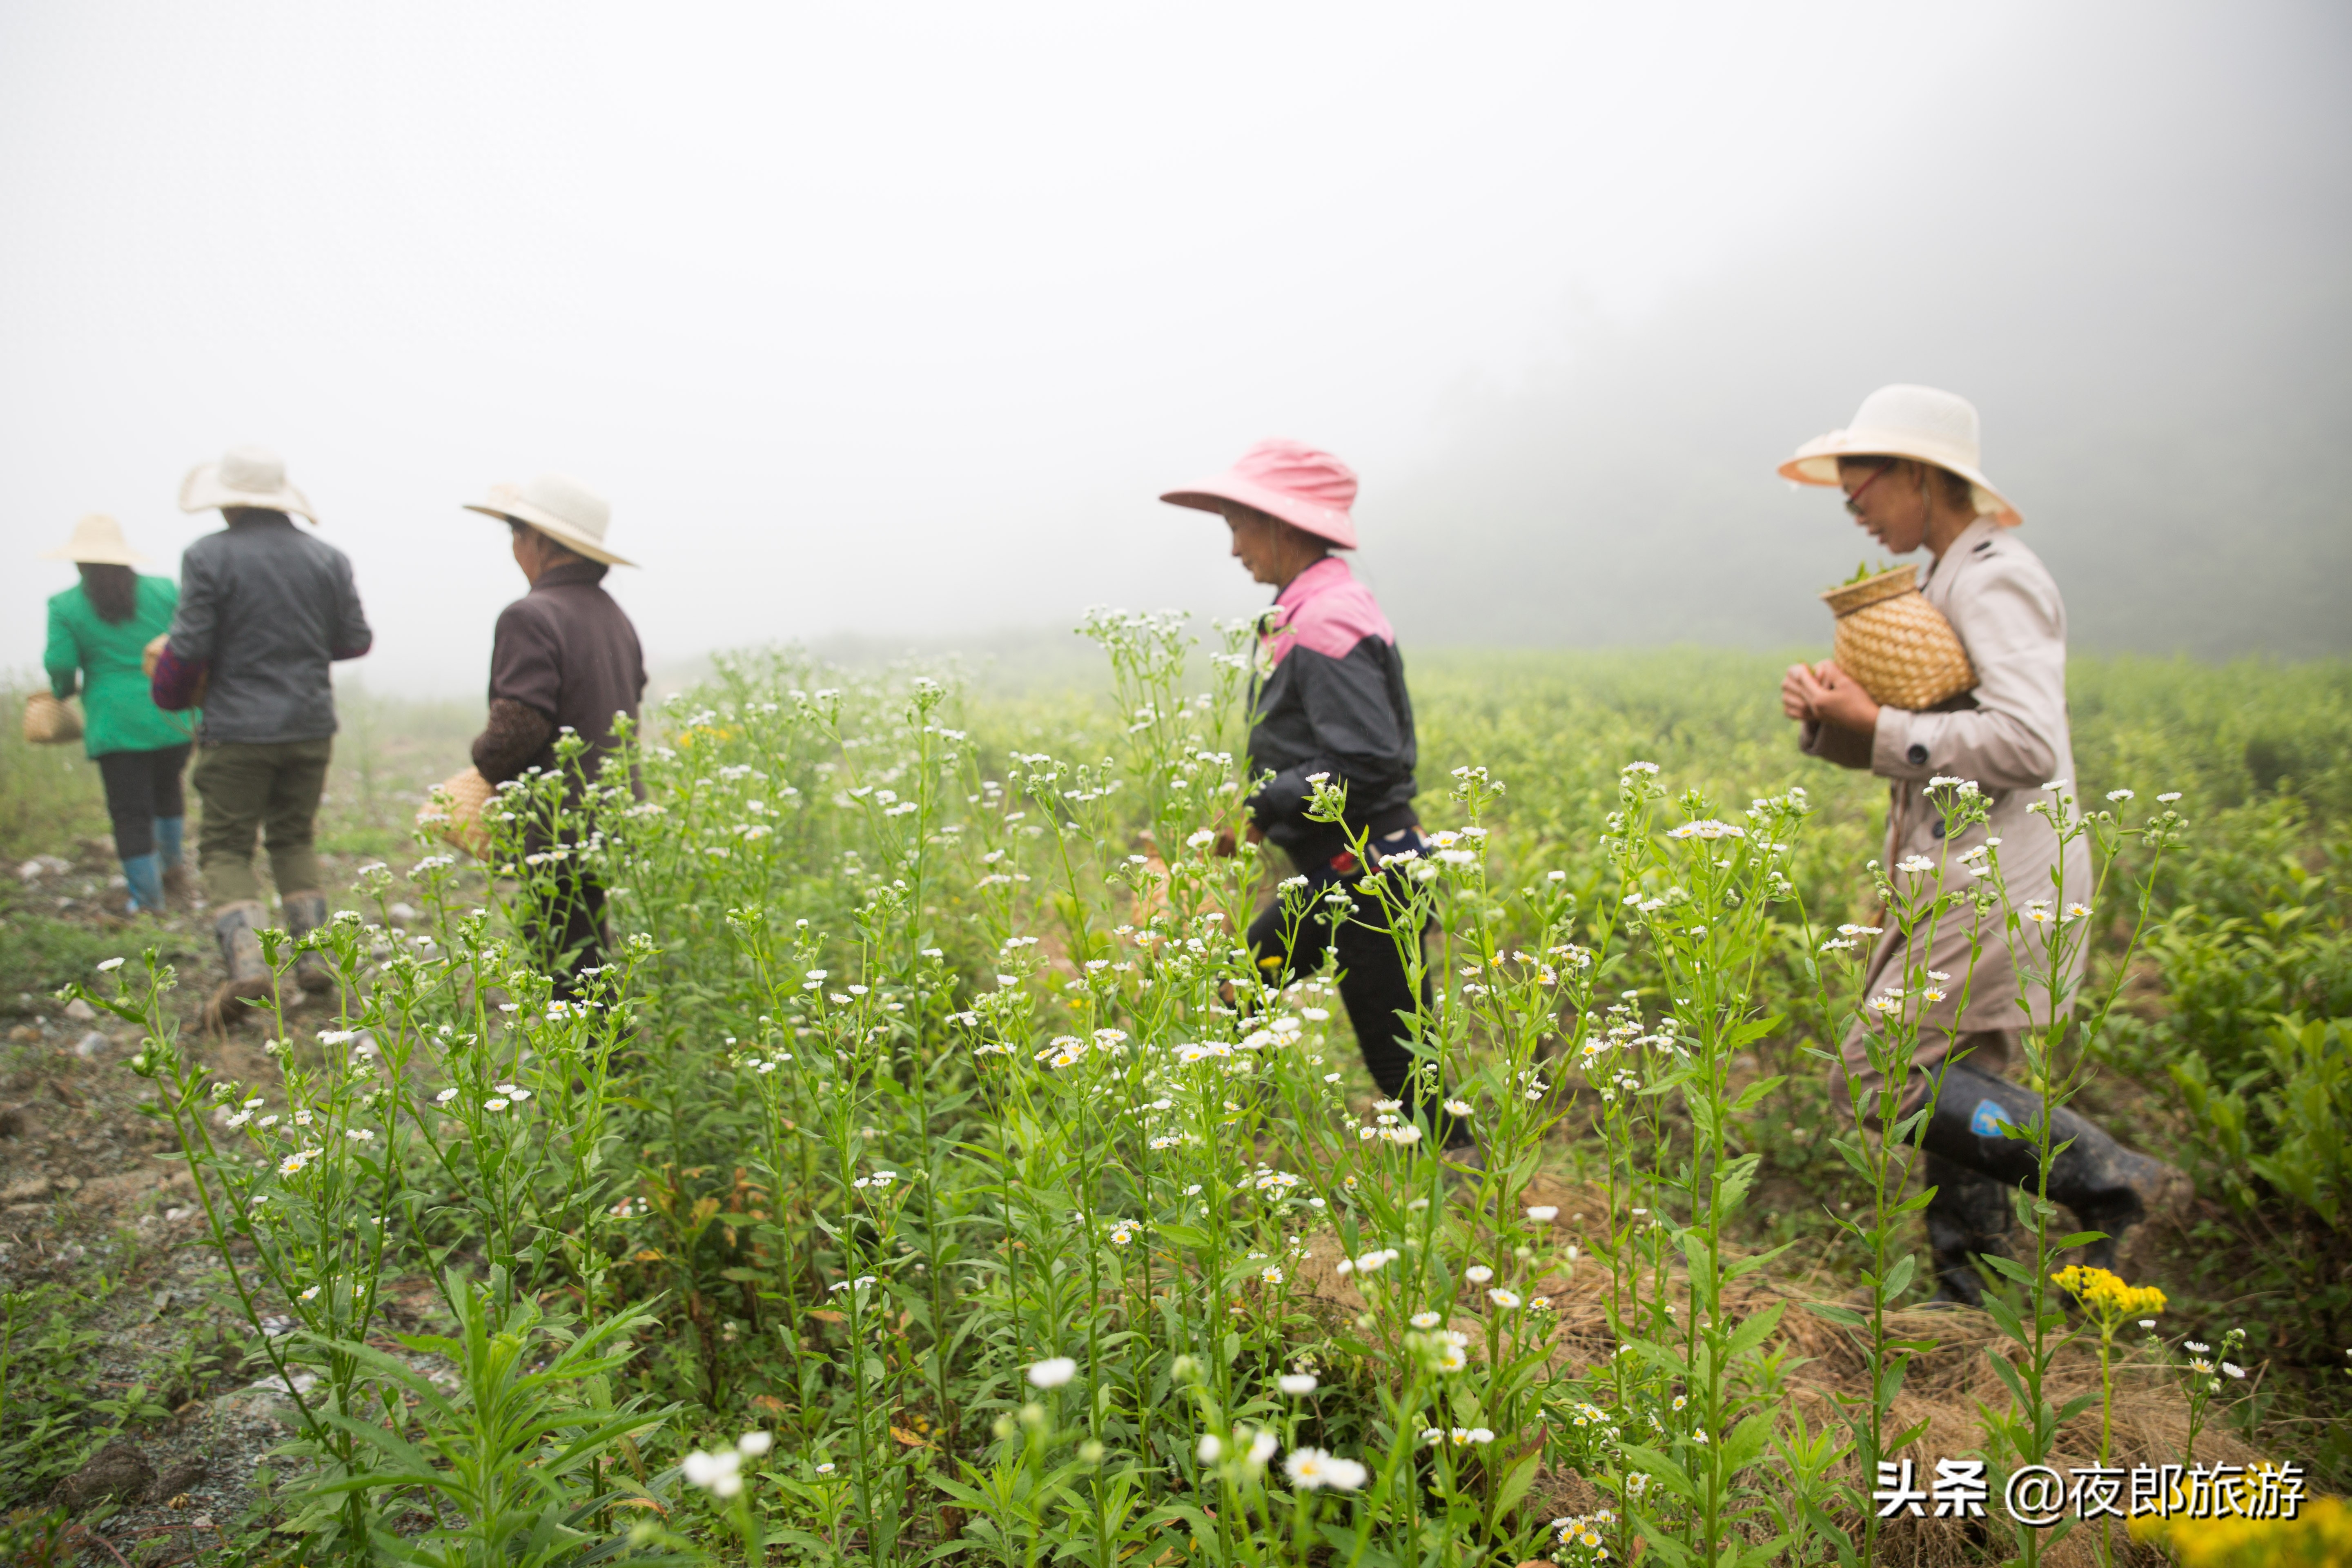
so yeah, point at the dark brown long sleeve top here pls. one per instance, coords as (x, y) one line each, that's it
(566, 654)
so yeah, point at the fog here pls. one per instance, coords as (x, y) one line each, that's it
(891, 323)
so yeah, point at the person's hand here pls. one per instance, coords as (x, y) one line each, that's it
(1797, 691)
(1838, 698)
(1227, 846)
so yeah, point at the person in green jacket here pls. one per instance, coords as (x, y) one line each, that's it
(99, 632)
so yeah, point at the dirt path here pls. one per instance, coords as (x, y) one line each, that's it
(138, 1401)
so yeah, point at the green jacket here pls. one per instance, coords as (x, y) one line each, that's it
(118, 715)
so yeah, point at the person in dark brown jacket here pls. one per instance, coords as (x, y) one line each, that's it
(565, 658)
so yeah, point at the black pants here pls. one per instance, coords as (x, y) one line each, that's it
(140, 787)
(565, 924)
(1373, 984)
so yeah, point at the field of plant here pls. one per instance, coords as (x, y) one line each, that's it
(932, 1175)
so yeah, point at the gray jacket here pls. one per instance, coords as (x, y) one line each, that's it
(265, 608)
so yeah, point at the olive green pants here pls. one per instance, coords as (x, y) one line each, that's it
(268, 791)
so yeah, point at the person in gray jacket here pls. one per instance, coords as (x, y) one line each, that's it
(265, 609)
(1908, 465)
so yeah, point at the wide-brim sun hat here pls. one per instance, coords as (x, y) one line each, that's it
(244, 476)
(1916, 422)
(96, 541)
(1311, 490)
(564, 509)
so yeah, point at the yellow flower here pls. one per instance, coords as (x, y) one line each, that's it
(2106, 1297)
(2321, 1532)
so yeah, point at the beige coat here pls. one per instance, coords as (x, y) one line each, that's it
(2010, 737)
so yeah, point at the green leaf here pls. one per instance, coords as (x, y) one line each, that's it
(970, 1497)
(2005, 1316)
(2009, 1268)
(1753, 1261)
(2007, 1372)
(1515, 1484)
(1751, 1334)
(1738, 1176)
(1702, 1267)
(1844, 1316)
(1746, 1442)
(1203, 1527)
(1665, 1549)
(1667, 1473)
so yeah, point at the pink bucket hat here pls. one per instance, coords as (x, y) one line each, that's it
(1309, 489)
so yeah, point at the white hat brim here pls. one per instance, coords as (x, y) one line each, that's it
(124, 557)
(96, 540)
(1816, 462)
(554, 527)
(202, 490)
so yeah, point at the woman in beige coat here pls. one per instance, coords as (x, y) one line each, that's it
(1908, 466)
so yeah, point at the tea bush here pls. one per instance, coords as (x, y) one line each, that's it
(930, 1173)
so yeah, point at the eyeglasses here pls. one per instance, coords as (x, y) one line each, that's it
(1853, 501)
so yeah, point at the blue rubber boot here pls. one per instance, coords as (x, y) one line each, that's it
(146, 879)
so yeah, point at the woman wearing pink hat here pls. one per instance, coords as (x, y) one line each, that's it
(1332, 701)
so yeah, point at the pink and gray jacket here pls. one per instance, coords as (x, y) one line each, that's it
(1334, 702)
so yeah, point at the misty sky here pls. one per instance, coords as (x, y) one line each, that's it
(895, 320)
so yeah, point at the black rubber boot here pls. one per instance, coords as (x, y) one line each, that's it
(2109, 1188)
(1967, 1218)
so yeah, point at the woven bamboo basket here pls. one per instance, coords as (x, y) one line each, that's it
(455, 812)
(49, 722)
(1897, 644)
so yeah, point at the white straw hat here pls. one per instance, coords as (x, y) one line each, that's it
(1918, 422)
(564, 509)
(97, 540)
(245, 476)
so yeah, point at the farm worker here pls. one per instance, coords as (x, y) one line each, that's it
(1328, 698)
(99, 632)
(1908, 465)
(265, 609)
(565, 658)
